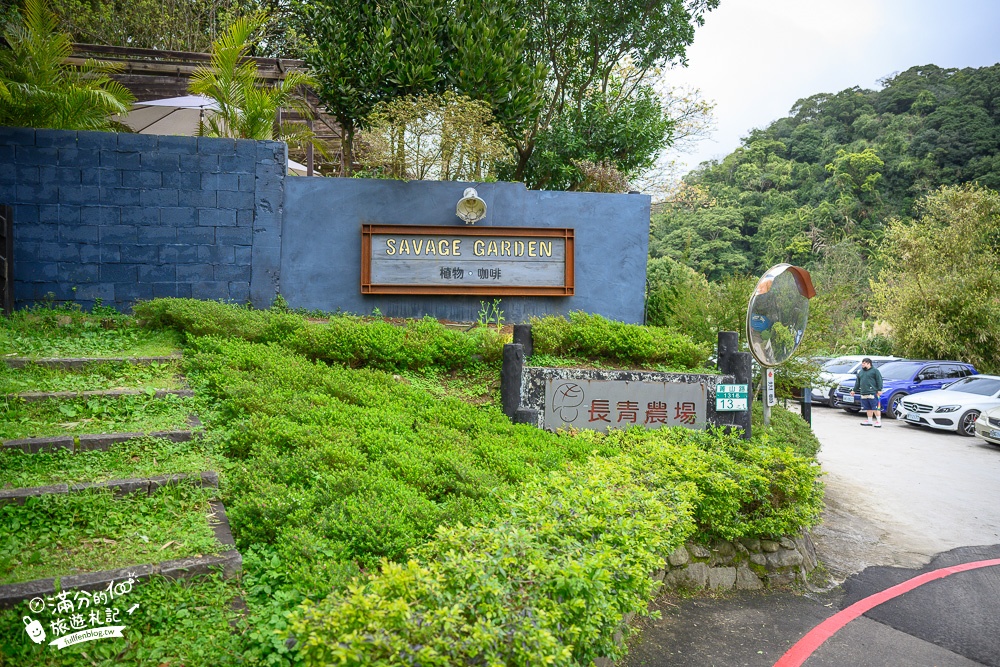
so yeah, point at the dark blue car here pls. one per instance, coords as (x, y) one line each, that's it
(902, 378)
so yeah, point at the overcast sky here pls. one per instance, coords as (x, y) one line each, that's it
(755, 58)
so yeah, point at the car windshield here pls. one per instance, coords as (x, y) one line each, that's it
(839, 366)
(899, 370)
(974, 385)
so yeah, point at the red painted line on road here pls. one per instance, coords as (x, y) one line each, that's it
(806, 646)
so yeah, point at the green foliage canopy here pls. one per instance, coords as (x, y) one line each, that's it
(364, 53)
(939, 288)
(37, 87)
(247, 106)
(840, 165)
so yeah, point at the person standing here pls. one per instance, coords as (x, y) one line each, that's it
(869, 385)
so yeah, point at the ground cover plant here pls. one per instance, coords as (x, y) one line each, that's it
(98, 414)
(356, 491)
(91, 530)
(93, 377)
(547, 581)
(68, 332)
(184, 622)
(565, 559)
(138, 458)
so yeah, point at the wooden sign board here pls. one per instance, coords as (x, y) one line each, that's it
(486, 261)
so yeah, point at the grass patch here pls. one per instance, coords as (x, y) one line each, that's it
(63, 534)
(476, 384)
(94, 377)
(142, 457)
(121, 414)
(67, 332)
(184, 622)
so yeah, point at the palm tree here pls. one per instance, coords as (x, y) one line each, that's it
(39, 89)
(248, 108)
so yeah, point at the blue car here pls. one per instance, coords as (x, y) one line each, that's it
(902, 378)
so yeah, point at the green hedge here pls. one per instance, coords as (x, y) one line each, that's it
(550, 579)
(213, 318)
(548, 583)
(358, 342)
(345, 339)
(594, 337)
(354, 462)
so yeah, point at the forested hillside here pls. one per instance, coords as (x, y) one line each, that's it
(826, 179)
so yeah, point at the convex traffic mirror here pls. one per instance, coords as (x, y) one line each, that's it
(778, 312)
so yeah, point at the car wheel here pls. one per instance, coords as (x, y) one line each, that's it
(829, 399)
(894, 407)
(967, 423)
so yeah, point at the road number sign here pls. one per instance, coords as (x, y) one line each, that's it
(731, 397)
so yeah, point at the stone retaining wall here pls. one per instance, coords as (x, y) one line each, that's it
(744, 564)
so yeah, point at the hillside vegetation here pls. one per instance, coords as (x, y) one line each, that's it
(851, 185)
(835, 170)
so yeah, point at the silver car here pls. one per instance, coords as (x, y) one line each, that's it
(988, 426)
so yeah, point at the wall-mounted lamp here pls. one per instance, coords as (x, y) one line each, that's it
(470, 207)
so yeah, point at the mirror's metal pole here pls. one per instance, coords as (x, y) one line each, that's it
(763, 395)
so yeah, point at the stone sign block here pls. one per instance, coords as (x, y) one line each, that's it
(602, 404)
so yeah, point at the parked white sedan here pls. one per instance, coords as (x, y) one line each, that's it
(955, 407)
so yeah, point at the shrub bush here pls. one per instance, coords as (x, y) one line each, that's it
(742, 488)
(787, 429)
(213, 318)
(345, 339)
(680, 298)
(548, 583)
(594, 337)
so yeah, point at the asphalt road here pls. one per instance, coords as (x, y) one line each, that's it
(904, 504)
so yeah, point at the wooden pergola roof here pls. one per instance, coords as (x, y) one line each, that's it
(152, 74)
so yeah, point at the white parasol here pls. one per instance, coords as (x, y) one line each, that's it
(180, 116)
(174, 115)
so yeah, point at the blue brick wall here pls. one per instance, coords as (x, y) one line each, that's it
(321, 245)
(123, 217)
(126, 217)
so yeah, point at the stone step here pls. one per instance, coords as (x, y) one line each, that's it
(70, 363)
(35, 396)
(230, 562)
(121, 487)
(90, 442)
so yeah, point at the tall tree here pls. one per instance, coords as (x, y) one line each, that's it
(546, 68)
(38, 88)
(601, 49)
(939, 288)
(367, 52)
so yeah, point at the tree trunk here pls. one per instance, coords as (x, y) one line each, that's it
(523, 155)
